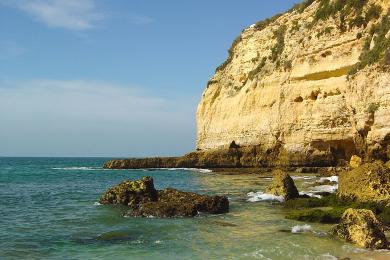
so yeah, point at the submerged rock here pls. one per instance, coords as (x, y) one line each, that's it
(146, 201)
(283, 185)
(369, 182)
(174, 203)
(131, 193)
(361, 227)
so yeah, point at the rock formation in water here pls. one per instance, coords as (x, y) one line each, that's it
(369, 182)
(283, 185)
(144, 200)
(360, 226)
(311, 86)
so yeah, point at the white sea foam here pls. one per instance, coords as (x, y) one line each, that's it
(328, 256)
(331, 178)
(325, 188)
(311, 194)
(303, 177)
(158, 242)
(78, 168)
(187, 169)
(261, 196)
(301, 229)
(97, 203)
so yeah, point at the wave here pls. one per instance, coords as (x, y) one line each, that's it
(301, 229)
(325, 188)
(261, 196)
(187, 169)
(331, 179)
(96, 203)
(79, 168)
(303, 177)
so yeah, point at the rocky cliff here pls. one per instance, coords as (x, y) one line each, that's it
(311, 85)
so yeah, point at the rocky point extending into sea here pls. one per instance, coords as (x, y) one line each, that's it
(303, 91)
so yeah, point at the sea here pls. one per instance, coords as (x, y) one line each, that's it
(49, 210)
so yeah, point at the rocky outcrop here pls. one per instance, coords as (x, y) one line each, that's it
(131, 193)
(361, 227)
(355, 161)
(369, 182)
(306, 87)
(283, 185)
(144, 200)
(174, 203)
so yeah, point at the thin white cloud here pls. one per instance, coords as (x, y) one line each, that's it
(77, 15)
(69, 14)
(89, 118)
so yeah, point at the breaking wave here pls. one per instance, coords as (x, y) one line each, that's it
(301, 229)
(79, 168)
(261, 196)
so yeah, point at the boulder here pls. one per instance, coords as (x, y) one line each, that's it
(174, 203)
(283, 185)
(145, 200)
(131, 193)
(360, 226)
(369, 182)
(355, 161)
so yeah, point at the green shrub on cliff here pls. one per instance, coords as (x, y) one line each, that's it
(381, 44)
(277, 50)
(231, 53)
(329, 8)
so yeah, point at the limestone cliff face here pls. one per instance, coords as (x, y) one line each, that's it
(304, 84)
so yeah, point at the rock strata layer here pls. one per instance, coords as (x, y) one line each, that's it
(144, 200)
(361, 227)
(310, 85)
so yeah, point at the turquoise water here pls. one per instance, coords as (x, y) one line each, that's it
(49, 211)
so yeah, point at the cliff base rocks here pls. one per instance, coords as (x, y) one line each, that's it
(360, 226)
(369, 182)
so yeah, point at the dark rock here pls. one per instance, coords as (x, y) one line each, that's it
(145, 200)
(131, 193)
(174, 203)
(283, 185)
(361, 227)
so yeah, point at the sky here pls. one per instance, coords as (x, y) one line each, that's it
(112, 78)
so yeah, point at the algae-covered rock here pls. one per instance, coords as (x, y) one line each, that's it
(283, 185)
(145, 200)
(355, 161)
(174, 203)
(131, 193)
(369, 182)
(361, 227)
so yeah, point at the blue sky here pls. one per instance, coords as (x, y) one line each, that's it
(111, 78)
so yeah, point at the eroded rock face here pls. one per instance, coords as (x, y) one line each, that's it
(283, 185)
(285, 87)
(369, 182)
(360, 226)
(144, 200)
(131, 193)
(174, 203)
(355, 161)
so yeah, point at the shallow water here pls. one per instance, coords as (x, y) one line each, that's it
(48, 210)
